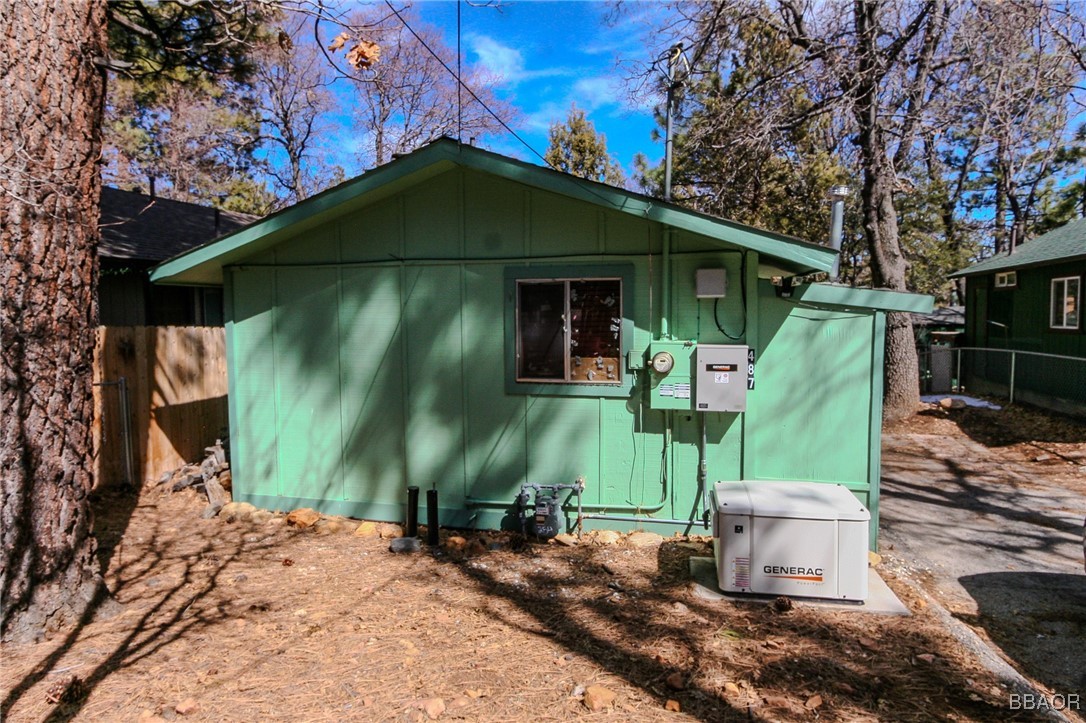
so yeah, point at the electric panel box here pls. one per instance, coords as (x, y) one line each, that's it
(711, 283)
(804, 539)
(669, 366)
(721, 378)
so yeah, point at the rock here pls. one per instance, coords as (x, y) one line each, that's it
(405, 544)
(813, 702)
(926, 657)
(731, 689)
(226, 479)
(455, 543)
(673, 706)
(187, 706)
(643, 539)
(388, 531)
(564, 539)
(433, 707)
(147, 716)
(366, 529)
(331, 526)
(209, 512)
(259, 517)
(459, 702)
(606, 537)
(948, 403)
(303, 518)
(676, 681)
(596, 697)
(679, 608)
(873, 558)
(237, 511)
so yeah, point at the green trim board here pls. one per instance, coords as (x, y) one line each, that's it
(847, 296)
(203, 265)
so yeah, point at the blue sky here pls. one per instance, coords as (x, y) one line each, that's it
(549, 55)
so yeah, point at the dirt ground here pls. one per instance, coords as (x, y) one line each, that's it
(244, 621)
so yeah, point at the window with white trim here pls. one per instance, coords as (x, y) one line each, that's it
(1066, 302)
(569, 330)
(1006, 279)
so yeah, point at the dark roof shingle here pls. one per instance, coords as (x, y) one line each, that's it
(1066, 243)
(140, 228)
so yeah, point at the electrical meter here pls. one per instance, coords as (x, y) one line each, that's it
(670, 363)
(662, 362)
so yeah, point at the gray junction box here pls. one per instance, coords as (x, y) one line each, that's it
(720, 378)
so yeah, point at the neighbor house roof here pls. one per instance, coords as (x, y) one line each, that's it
(1066, 243)
(138, 227)
(204, 265)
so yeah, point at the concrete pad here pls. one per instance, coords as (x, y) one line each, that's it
(881, 599)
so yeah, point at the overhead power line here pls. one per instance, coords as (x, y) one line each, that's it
(461, 84)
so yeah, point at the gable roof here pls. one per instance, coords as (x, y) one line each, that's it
(204, 265)
(142, 228)
(1066, 243)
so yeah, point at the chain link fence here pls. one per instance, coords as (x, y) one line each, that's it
(1051, 381)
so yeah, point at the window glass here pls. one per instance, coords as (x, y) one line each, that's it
(541, 342)
(1071, 304)
(1066, 303)
(587, 349)
(595, 345)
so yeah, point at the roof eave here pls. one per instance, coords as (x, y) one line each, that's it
(203, 265)
(881, 299)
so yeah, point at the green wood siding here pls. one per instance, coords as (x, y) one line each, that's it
(363, 362)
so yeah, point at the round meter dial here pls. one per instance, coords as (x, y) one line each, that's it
(663, 362)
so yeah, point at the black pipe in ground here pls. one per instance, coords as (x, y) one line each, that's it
(412, 511)
(431, 517)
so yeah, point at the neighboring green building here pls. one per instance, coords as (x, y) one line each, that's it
(462, 320)
(1030, 300)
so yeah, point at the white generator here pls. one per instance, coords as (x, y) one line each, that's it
(804, 539)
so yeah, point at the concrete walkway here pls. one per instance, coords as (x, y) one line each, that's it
(998, 545)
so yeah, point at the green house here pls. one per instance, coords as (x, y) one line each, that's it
(1030, 300)
(464, 321)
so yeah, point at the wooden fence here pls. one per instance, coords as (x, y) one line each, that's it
(176, 379)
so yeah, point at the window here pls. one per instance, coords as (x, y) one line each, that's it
(569, 330)
(1006, 279)
(1066, 302)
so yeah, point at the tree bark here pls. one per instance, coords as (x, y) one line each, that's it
(901, 390)
(50, 121)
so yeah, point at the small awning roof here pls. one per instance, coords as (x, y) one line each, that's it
(203, 265)
(848, 296)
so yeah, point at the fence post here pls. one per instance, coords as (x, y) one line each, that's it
(1012, 377)
(958, 377)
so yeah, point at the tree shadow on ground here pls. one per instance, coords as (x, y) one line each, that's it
(159, 617)
(1038, 620)
(722, 660)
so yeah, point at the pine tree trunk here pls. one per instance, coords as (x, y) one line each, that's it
(50, 116)
(901, 390)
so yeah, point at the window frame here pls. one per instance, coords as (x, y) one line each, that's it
(1064, 326)
(1010, 279)
(515, 276)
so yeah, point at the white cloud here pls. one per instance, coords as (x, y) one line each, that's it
(507, 62)
(497, 59)
(595, 92)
